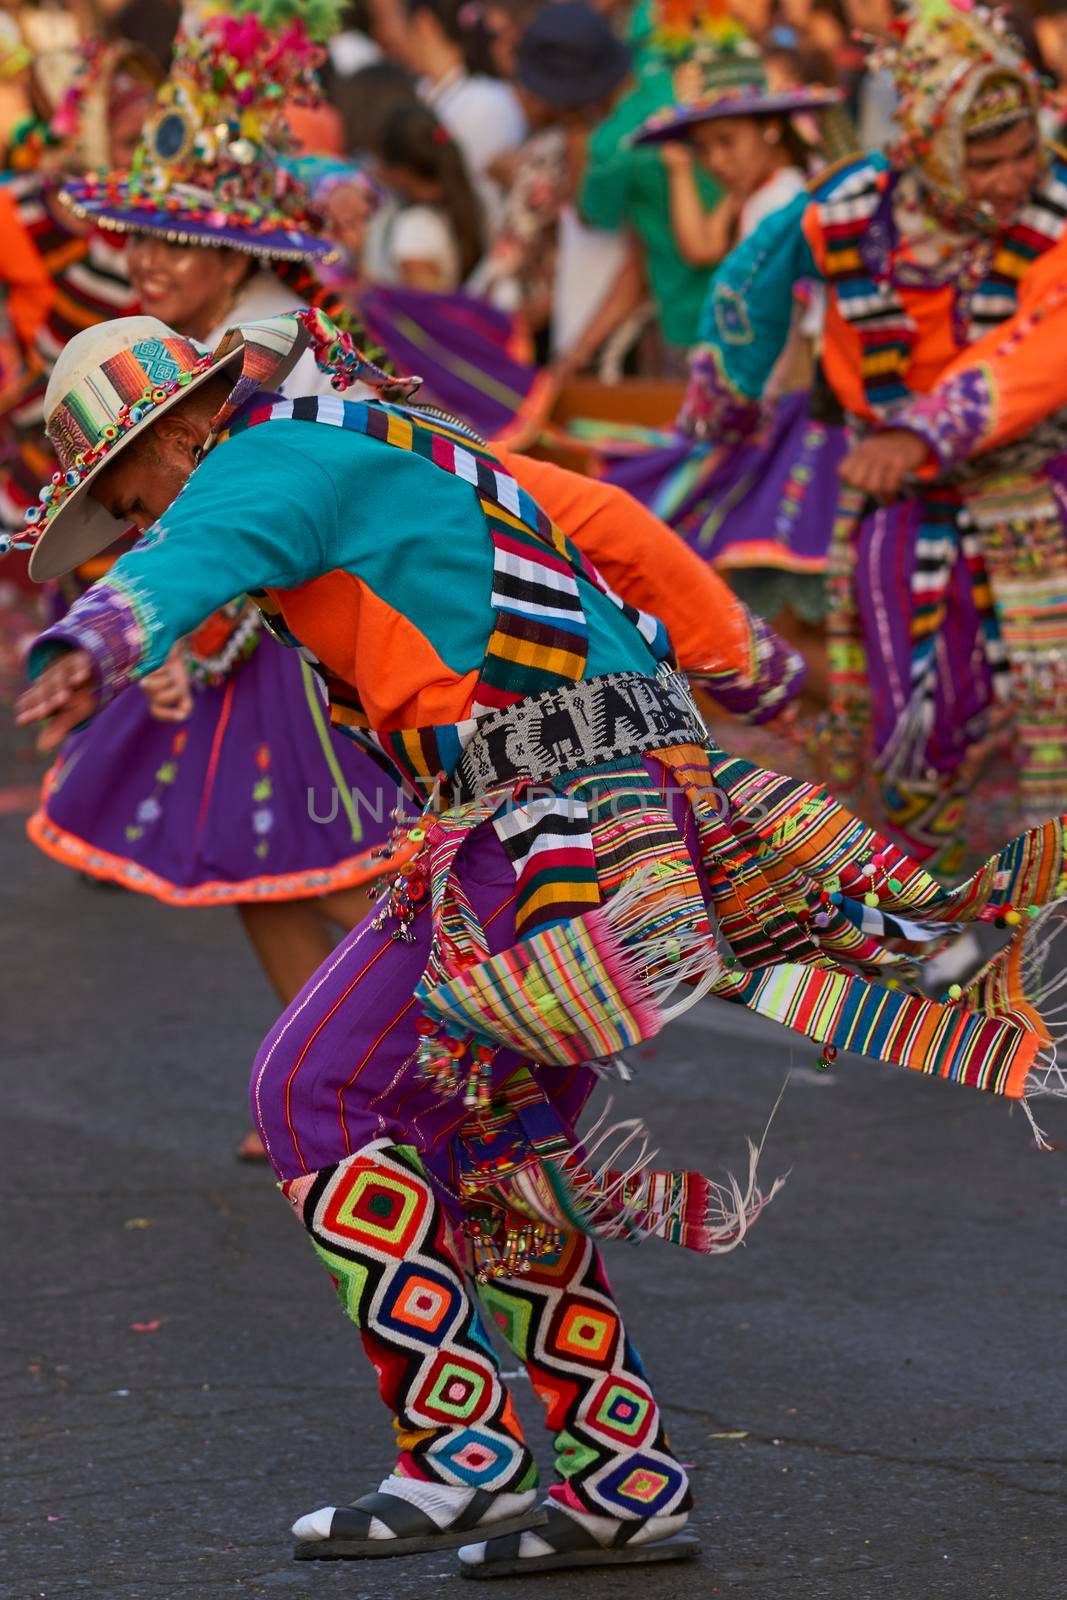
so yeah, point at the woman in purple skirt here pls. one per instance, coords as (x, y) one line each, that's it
(178, 792)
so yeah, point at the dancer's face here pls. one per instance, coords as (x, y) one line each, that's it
(999, 172)
(189, 287)
(148, 474)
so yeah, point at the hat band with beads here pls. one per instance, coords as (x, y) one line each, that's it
(96, 416)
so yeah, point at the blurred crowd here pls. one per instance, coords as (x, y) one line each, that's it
(484, 145)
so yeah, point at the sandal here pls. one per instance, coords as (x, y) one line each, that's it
(572, 1545)
(413, 1531)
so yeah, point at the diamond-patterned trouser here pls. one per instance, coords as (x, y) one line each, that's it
(380, 1230)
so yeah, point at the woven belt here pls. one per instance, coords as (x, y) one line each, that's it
(576, 726)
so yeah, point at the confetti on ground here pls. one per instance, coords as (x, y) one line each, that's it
(742, 1435)
(139, 1222)
(146, 1327)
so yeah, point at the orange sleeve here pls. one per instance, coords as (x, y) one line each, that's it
(1005, 383)
(748, 670)
(30, 290)
(643, 560)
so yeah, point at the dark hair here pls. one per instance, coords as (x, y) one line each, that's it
(797, 151)
(463, 23)
(413, 138)
(365, 100)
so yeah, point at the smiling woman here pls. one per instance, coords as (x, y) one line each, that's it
(191, 287)
(1001, 167)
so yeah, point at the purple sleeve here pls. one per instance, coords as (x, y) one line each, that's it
(109, 625)
(776, 676)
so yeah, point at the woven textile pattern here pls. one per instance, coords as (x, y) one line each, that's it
(562, 1322)
(379, 1230)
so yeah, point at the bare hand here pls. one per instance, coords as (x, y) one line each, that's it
(64, 695)
(676, 157)
(878, 465)
(169, 693)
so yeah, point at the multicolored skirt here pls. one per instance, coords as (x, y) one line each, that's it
(765, 505)
(253, 798)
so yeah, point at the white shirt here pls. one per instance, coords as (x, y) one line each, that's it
(423, 233)
(483, 115)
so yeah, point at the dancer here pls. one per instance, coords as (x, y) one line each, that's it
(418, 1100)
(756, 500)
(945, 265)
(179, 793)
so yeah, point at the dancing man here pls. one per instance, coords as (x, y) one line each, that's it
(419, 1098)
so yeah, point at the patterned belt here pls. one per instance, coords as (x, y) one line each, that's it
(576, 726)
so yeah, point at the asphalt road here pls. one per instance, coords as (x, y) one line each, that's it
(871, 1394)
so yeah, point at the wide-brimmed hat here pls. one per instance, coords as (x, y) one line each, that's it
(729, 85)
(212, 167)
(111, 382)
(569, 56)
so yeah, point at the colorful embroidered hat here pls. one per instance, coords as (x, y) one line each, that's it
(959, 73)
(733, 84)
(212, 167)
(112, 381)
(117, 378)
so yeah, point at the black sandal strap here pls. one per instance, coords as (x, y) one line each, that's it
(403, 1520)
(473, 1512)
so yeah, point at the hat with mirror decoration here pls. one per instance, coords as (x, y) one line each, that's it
(960, 74)
(213, 166)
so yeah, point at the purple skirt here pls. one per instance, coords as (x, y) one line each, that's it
(255, 797)
(766, 502)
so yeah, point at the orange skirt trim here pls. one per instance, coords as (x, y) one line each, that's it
(70, 851)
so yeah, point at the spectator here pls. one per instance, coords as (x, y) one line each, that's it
(545, 262)
(435, 238)
(446, 45)
(366, 99)
(624, 187)
(506, 21)
(742, 134)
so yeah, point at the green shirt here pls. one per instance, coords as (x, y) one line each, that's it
(627, 187)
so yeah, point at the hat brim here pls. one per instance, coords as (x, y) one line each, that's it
(678, 122)
(119, 213)
(612, 70)
(81, 528)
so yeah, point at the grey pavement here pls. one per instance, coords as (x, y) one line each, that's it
(870, 1395)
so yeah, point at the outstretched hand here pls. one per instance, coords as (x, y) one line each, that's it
(879, 464)
(168, 689)
(62, 697)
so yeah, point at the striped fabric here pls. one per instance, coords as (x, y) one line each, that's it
(850, 1013)
(854, 200)
(561, 995)
(91, 286)
(549, 844)
(540, 635)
